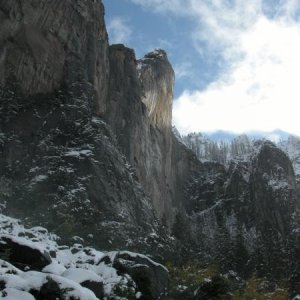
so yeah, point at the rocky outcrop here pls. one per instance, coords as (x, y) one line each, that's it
(146, 143)
(23, 254)
(273, 188)
(150, 277)
(83, 274)
(157, 79)
(291, 146)
(244, 213)
(139, 111)
(47, 44)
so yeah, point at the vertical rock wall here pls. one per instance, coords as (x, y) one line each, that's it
(157, 80)
(47, 44)
(139, 111)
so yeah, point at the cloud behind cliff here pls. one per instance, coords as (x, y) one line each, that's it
(120, 31)
(237, 62)
(259, 90)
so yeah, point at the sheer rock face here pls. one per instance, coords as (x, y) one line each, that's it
(157, 79)
(146, 147)
(273, 188)
(47, 44)
(142, 125)
(292, 148)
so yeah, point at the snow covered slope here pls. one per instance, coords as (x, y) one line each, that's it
(291, 147)
(34, 266)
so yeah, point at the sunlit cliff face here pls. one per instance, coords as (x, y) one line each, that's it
(157, 78)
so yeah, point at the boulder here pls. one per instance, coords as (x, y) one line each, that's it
(87, 279)
(49, 290)
(151, 278)
(23, 253)
(95, 287)
(214, 288)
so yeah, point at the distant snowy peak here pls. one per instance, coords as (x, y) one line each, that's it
(227, 136)
(221, 151)
(291, 147)
(241, 147)
(177, 134)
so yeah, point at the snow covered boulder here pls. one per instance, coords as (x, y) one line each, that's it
(151, 278)
(87, 279)
(28, 272)
(57, 287)
(23, 253)
(12, 294)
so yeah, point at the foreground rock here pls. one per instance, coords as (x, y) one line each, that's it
(23, 253)
(83, 274)
(150, 277)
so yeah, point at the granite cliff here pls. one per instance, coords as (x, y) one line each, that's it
(139, 111)
(61, 164)
(45, 45)
(86, 145)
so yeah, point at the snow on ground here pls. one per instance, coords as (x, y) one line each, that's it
(14, 294)
(78, 153)
(69, 267)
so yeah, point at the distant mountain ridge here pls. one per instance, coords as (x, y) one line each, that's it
(227, 136)
(240, 147)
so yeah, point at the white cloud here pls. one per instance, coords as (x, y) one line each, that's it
(259, 88)
(290, 9)
(183, 70)
(119, 31)
(259, 92)
(177, 7)
(219, 24)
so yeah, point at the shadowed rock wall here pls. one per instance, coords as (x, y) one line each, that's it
(44, 44)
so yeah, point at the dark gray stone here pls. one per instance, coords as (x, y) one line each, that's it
(22, 255)
(150, 277)
(95, 287)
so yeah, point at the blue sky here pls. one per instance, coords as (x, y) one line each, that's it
(237, 62)
(144, 29)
